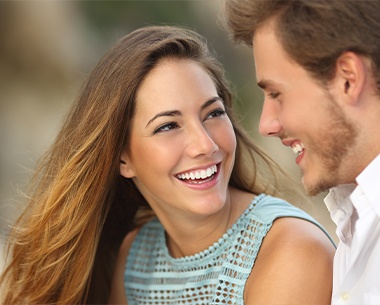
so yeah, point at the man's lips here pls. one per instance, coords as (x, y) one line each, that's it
(297, 147)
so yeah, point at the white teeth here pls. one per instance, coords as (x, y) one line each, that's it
(209, 172)
(202, 174)
(298, 148)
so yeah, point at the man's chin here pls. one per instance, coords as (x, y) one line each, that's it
(314, 189)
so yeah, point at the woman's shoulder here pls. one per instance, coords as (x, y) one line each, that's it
(293, 232)
(146, 234)
(127, 242)
(293, 253)
(117, 295)
(297, 236)
(269, 208)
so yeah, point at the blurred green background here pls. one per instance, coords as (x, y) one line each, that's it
(48, 47)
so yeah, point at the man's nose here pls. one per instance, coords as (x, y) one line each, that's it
(269, 122)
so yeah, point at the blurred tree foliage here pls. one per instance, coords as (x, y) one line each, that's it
(113, 14)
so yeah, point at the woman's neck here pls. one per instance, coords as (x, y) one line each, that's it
(186, 238)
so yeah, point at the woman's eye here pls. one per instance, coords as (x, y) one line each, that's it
(216, 113)
(166, 127)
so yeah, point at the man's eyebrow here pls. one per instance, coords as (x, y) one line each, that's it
(172, 113)
(265, 83)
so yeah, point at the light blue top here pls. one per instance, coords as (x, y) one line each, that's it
(216, 275)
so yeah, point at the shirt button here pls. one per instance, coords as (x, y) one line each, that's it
(345, 296)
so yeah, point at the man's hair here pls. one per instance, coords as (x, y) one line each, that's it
(313, 33)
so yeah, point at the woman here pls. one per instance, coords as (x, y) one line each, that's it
(151, 143)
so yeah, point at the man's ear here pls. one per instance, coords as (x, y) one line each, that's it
(126, 168)
(350, 76)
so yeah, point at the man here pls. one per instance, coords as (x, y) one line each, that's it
(318, 64)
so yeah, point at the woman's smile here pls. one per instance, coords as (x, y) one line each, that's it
(200, 177)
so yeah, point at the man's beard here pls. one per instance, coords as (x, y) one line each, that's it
(331, 146)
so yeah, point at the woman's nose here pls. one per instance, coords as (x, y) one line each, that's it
(201, 142)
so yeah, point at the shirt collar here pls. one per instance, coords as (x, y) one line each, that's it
(369, 181)
(339, 203)
(341, 208)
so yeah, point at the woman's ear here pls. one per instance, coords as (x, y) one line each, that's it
(126, 168)
(350, 77)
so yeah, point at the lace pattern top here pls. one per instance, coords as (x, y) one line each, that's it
(216, 275)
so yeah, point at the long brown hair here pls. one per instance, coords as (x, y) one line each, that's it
(63, 247)
(313, 33)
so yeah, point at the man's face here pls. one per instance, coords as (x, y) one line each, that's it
(303, 114)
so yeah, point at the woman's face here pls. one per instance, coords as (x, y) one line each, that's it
(182, 142)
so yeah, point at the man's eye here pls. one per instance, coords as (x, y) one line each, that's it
(273, 95)
(166, 127)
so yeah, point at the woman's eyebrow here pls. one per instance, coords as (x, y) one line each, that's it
(164, 113)
(211, 101)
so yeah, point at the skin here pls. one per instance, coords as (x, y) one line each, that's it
(328, 123)
(194, 134)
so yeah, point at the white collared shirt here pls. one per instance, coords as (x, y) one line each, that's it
(356, 212)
